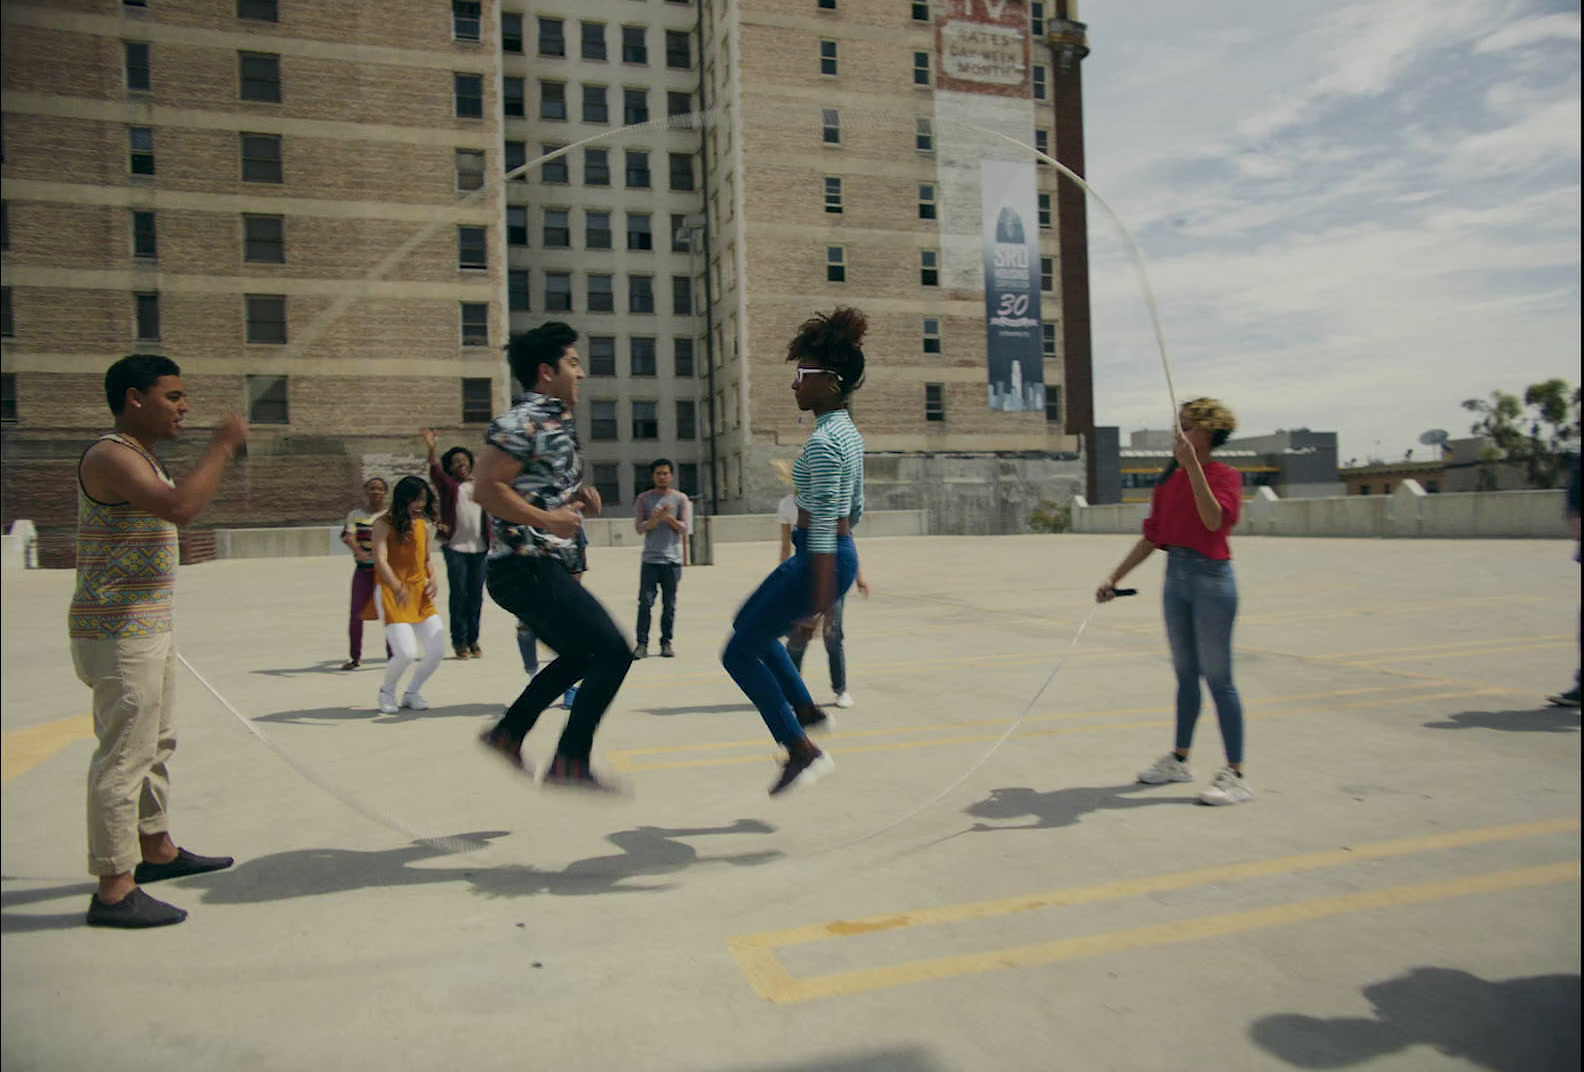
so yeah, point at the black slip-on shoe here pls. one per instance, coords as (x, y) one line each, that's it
(186, 863)
(134, 911)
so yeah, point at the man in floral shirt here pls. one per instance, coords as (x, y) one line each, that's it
(530, 480)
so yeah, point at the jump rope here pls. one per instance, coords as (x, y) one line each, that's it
(696, 121)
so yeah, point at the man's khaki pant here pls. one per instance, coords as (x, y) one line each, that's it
(134, 688)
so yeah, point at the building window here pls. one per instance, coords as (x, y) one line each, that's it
(827, 54)
(261, 158)
(1045, 211)
(681, 171)
(921, 68)
(1431, 486)
(5, 224)
(682, 357)
(602, 355)
(260, 77)
(470, 169)
(934, 402)
(8, 396)
(141, 160)
(468, 90)
(596, 167)
(139, 71)
(511, 32)
(833, 194)
(679, 50)
(831, 118)
(515, 156)
(1053, 403)
(645, 420)
(594, 41)
(640, 294)
(932, 335)
(1042, 141)
(554, 172)
(637, 169)
(1037, 18)
(639, 235)
(147, 316)
(686, 419)
(835, 264)
(1048, 340)
(601, 293)
(259, 10)
(921, 11)
(687, 477)
(602, 421)
(478, 400)
(678, 103)
(145, 236)
(641, 351)
(514, 98)
(634, 48)
(517, 298)
(1047, 274)
(1039, 82)
(929, 268)
(926, 202)
(267, 400)
(596, 230)
(266, 318)
(635, 106)
(475, 323)
(924, 135)
(557, 228)
(681, 295)
(552, 100)
(472, 247)
(681, 235)
(558, 292)
(7, 326)
(552, 37)
(264, 239)
(607, 477)
(827, 5)
(516, 225)
(596, 104)
(466, 20)
(1364, 489)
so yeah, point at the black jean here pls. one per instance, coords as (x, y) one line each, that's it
(572, 623)
(665, 576)
(465, 578)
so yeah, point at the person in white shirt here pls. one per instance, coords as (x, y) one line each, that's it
(831, 620)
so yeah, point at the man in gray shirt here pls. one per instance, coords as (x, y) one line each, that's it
(663, 516)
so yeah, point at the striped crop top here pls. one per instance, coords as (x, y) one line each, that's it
(829, 478)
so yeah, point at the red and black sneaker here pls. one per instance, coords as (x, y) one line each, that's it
(567, 773)
(508, 749)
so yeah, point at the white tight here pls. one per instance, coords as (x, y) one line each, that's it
(407, 643)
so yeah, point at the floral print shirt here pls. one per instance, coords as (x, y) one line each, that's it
(539, 432)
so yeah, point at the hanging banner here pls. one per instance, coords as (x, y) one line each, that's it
(1012, 285)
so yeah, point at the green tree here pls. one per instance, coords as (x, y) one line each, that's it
(1534, 431)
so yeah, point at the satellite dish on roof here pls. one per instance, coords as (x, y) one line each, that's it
(1434, 437)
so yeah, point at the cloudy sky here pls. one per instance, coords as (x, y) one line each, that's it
(1354, 215)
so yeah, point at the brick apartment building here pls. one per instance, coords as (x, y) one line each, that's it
(301, 203)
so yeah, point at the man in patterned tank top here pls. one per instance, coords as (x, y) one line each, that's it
(128, 511)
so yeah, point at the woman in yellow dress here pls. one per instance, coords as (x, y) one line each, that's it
(407, 591)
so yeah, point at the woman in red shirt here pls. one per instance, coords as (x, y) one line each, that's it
(1194, 507)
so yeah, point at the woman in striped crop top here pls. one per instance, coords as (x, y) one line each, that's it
(828, 475)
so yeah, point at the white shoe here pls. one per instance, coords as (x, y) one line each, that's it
(1229, 787)
(844, 699)
(416, 702)
(1167, 768)
(387, 704)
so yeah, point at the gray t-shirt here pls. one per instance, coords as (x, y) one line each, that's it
(663, 543)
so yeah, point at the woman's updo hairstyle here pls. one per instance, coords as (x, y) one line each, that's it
(834, 342)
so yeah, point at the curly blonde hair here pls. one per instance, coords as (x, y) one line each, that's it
(1211, 414)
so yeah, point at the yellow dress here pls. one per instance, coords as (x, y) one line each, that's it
(408, 559)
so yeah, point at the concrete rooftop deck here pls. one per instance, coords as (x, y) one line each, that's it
(1403, 894)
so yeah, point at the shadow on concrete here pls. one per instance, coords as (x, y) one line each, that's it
(1534, 720)
(323, 715)
(905, 1059)
(1518, 1025)
(701, 709)
(1061, 807)
(24, 922)
(645, 851)
(328, 666)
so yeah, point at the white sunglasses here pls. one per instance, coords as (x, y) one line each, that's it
(801, 372)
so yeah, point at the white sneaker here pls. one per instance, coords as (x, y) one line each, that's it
(387, 703)
(844, 699)
(414, 701)
(1167, 768)
(1229, 787)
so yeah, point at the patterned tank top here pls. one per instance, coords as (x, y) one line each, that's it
(126, 563)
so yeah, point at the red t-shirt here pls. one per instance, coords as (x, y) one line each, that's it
(1174, 519)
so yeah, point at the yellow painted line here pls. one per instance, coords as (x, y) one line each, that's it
(755, 952)
(25, 749)
(791, 989)
(1457, 645)
(1494, 650)
(1394, 607)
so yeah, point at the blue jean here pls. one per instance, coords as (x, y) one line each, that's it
(1200, 602)
(465, 578)
(797, 644)
(665, 576)
(755, 657)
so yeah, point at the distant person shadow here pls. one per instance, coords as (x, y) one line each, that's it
(1517, 1025)
(328, 666)
(699, 709)
(1060, 807)
(646, 850)
(1534, 720)
(321, 715)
